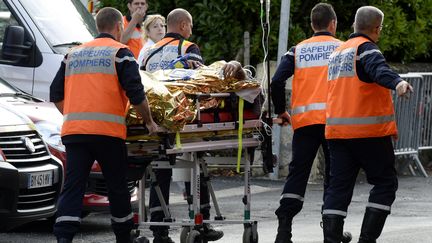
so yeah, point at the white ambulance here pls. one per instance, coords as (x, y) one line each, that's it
(35, 35)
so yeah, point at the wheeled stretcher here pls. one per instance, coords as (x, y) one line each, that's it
(211, 131)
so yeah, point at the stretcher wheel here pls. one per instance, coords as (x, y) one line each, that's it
(250, 234)
(194, 236)
(184, 234)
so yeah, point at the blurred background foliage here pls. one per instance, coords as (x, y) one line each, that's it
(219, 25)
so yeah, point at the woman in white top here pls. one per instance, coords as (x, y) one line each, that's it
(154, 31)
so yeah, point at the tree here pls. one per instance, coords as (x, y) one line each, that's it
(406, 30)
(219, 25)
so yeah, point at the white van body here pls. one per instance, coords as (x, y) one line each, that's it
(51, 28)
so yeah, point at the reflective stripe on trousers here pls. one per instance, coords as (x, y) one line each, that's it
(292, 196)
(156, 209)
(207, 205)
(378, 206)
(123, 219)
(68, 219)
(335, 212)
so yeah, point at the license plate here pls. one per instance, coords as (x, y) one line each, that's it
(40, 179)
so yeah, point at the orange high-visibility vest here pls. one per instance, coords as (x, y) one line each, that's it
(356, 109)
(136, 41)
(309, 86)
(166, 50)
(94, 101)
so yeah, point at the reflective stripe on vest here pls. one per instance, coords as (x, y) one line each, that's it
(310, 107)
(309, 84)
(136, 41)
(85, 60)
(342, 64)
(95, 117)
(360, 120)
(94, 101)
(356, 109)
(315, 53)
(163, 58)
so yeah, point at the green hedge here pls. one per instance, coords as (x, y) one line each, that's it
(219, 25)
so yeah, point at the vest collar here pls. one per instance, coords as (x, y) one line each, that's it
(105, 35)
(354, 35)
(322, 33)
(174, 35)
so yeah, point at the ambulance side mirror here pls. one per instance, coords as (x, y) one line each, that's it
(13, 49)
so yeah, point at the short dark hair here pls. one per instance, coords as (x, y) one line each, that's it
(321, 16)
(107, 18)
(130, 1)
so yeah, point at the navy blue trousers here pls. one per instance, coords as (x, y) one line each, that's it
(305, 144)
(376, 157)
(111, 155)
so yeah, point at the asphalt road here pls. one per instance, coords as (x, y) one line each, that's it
(410, 221)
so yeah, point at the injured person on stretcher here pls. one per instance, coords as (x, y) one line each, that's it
(179, 96)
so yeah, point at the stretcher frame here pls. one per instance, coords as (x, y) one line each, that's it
(246, 140)
(191, 227)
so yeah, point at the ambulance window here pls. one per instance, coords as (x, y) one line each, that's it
(6, 19)
(61, 22)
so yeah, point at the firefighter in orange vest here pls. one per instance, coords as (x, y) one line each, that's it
(163, 55)
(174, 46)
(307, 61)
(360, 125)
(92, 89)
(160, 56)
(133, 31)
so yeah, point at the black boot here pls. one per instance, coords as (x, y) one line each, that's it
(346, 237)
(373, 224)
(208, 232)
(284, 230)
(161, 236)
(211, 234)
(123, 238)
(63, 240)
(332, 228)
(132, 237)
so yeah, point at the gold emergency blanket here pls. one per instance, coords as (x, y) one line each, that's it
(170, 93)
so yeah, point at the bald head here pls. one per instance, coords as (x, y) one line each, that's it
(180, 21)
(367, 19)
(177, 16)
(107, 19)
